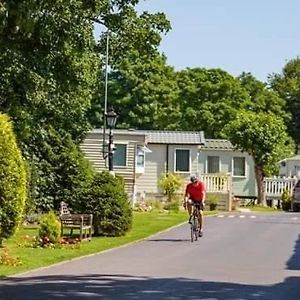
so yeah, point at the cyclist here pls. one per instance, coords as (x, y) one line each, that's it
(195, 193)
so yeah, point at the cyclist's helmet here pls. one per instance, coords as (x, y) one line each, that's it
(194, 179)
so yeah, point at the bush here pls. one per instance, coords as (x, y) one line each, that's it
(172, 206)
(107, 200)
(13, 181)
(170, 183)
(49, 229)
(212, 201)
(286, 200)
(60, 174)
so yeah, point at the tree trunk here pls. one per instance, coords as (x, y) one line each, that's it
(259, 176)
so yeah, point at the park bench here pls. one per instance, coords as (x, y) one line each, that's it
(81, 222)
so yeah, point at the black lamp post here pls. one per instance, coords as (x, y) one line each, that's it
(111, 119)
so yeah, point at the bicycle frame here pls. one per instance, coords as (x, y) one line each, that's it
(195, 222)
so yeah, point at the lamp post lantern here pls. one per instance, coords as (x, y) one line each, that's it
(111, 119)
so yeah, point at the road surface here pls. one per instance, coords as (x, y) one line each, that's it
(241, 256)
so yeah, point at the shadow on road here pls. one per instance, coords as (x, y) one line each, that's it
(294, 262)
(130, 288)
(169, 240)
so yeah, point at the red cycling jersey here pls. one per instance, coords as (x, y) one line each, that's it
(195, 191)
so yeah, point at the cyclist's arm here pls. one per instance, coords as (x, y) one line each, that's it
(186, 197)
(203, 193)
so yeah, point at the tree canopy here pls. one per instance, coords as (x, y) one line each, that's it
(264, 137)
(209, 99)
(287, 85)
(50, 63)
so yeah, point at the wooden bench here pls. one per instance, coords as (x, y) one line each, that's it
(82, 222)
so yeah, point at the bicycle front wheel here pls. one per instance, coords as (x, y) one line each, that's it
(196, 228)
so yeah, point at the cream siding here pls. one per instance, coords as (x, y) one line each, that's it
(92, 148)
(155, 165)
(241, 186)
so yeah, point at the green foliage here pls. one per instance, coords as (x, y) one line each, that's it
(49, 229)
(170, 183)
(262, 98)
(172, 205)
(144, 91)
(13, 180)
(287, 85)
(8, 260)
(107, 200)
(264, 137)
(209, 99)
(286, 200)
(49, 72)
(261, 135)
(212, 201)
(59, 174)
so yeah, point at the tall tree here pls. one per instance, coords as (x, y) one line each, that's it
(49, 62)
(209, 99)
(144, 91)
(262, 97)
(264, 137)
(287, 84)
(135, 65)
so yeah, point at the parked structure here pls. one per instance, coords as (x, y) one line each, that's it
(290, 167)
(141, 156)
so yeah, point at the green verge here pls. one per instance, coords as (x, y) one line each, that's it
(145, 224)
(259, 208)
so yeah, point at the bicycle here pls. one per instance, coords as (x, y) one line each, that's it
(195, 222)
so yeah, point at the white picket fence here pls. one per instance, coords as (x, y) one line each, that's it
(217, 183)
(275, 186)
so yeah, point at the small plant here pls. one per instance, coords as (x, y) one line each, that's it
(49, 229)
(7, 259)
(170, 183)
(286, 200)
(212, 200)
(172, 206)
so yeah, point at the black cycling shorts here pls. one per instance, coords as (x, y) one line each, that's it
(198, 204)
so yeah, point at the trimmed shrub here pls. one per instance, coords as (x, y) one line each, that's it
(59, 174)
(49, 229)
(13, 180)
(107, 200)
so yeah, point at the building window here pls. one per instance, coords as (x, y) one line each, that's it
(239, 166)
(140, 159)
(213, 164)
(120, 155)
(182, 160)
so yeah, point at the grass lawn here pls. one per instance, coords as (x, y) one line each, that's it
(144, 224)
(258, 208)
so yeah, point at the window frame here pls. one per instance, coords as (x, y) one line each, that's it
(189, 160)
(245, 167)
(140, 152)
(219, 164)
(126, 155)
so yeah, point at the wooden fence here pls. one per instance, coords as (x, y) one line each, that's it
(275, 186)
(217, 183)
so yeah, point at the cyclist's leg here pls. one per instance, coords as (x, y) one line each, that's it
(189, 206)
(200, 218)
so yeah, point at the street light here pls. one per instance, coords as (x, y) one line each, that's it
(111, 119)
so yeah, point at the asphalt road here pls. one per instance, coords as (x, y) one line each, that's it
(240, 256)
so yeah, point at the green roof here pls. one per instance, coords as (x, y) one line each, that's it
(218, 144)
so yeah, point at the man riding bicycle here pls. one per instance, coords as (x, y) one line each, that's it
(195, 194)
